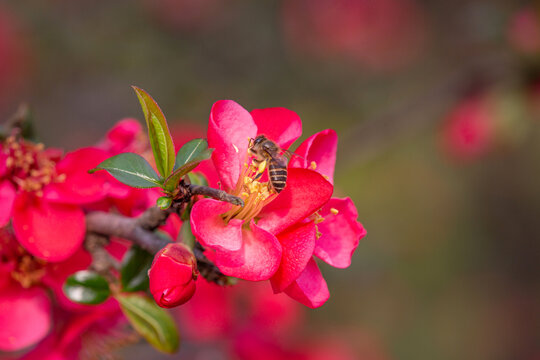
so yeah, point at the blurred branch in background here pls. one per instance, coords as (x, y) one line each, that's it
(424, 109)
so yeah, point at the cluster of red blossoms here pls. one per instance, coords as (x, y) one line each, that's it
(273, 236)
(44, 198)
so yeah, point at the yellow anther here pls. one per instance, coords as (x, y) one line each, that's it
(334, 211)
(319, 220)
(326, 177)
(313, 165)
(245, 194)
(261, 167)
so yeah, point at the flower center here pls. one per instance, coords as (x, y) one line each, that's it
(25, 269)
(29, 167)
(255, 193)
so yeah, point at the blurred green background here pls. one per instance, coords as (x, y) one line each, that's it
(450, 266)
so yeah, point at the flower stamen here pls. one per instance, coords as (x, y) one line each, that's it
(256, 194)
(29, 167)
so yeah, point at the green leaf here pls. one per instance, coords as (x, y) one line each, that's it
(130, 169)
(197, 179)
(187, 159)
(150, 321)
(158, 133)
(134, 270)
(87, 287)
(190, 151)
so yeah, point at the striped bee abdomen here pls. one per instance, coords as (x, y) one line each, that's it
(277, 172)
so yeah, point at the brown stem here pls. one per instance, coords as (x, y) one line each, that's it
(132, 229)
(102, 261)
(140, 230)
(215, 193)
(207, 268)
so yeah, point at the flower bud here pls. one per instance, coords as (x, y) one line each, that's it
(172, 275)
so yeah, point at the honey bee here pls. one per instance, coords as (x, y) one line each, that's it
(264, 149)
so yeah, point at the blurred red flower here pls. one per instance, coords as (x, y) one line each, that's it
(44, 195)
(25, 307)
(469, 129)
(377, 35)
(524, 31)
(187, 15)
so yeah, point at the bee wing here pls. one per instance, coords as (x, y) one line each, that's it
(290, 154)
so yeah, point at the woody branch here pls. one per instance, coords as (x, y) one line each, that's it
(140, 230)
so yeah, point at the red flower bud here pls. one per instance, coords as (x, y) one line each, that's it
(172, 275)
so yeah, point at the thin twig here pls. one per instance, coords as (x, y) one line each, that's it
(141, 230)
(214, 193)
(109, 224)
(102, 261)
(207, 268)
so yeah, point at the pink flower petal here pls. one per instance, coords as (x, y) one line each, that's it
(123, 136)
(340, 233)
(25, 315)
(320, 148)
(310, 288)
(297, 243)
(47, 230)
(57, 273)
(257, 260)
(229, 130)
(74, 332)
(276, 314)
(172, 275)
(210, 229)
(278, 124)
(208, 315)
(79, 187)
(7, 197)
(306, 192)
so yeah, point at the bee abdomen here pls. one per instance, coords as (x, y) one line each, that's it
(278, 175)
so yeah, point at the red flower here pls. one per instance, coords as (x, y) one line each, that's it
(246, 322)
(469, 129)
(187, 15)
(172, 275)
(248, 242)
(217, 312)
(25, 315)
(44, 196)
(524, 31)
(126, 135)
(94, 334)
(338, 231)
(377, 35)
(25, 308)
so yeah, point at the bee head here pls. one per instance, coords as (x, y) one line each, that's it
(259, 140)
